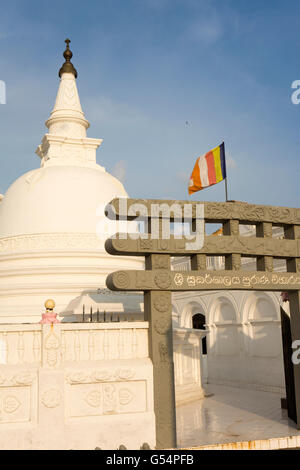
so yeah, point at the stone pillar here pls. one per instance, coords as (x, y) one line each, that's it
(293, 265)
(158, 312)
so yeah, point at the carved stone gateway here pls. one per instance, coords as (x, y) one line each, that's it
(158, 281)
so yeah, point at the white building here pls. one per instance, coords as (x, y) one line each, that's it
(244, 345)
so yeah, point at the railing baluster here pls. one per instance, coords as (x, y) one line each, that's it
(36, 346)
(232, 261)
(21, 347)
(264, 230)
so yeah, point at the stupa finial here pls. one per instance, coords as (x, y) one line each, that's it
(68, 67)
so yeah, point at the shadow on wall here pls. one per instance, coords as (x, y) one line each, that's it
(104, 305)
(244, 344)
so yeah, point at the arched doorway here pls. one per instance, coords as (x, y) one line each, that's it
(198, 320)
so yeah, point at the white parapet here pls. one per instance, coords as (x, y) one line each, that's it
(86, 385)
(76, 386)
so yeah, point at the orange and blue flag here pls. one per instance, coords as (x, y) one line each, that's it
(209, 169)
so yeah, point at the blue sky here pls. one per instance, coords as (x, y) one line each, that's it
(162, 82)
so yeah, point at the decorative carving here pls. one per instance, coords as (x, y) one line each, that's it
(77, 378)
(109, 399)
(160, 262)
(163, 280)
(51, 398)
(162, 325)
(143, 279)
(23, 378)
(101, 375)
(10, 404)
(122, 279)
(120, 244)
(163, 245)
(93, 398)
(145, 244)
(51, 348)
(163, 352)
(124, 374)
(51, 241)
(125, 396)
(162, 303)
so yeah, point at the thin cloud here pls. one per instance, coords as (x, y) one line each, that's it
(208, 30)
(231, 163)
(183, 176)
(120, 170)
(102, 109)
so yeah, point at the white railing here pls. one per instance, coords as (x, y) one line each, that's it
(24, 344)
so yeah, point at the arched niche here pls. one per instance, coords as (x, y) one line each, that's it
(261, 313)
(189, 310)
(223, 313)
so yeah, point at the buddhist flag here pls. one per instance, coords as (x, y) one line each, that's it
(209, 169)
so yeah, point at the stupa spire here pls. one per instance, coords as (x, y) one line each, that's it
(67, 118)
(66, 142)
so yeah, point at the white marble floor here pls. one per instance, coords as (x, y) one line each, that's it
(232, 415)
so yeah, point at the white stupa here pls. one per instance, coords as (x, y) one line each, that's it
(49, 219)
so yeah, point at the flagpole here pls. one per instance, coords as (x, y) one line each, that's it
(226, 189)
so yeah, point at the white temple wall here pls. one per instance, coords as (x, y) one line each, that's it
(86, 385)
(244, 340)
(75, 386)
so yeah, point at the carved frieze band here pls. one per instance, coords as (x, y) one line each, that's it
(51, 241)
(19, 379)
(99, 375)
(213, 245)
(202, 280)
(219, 211)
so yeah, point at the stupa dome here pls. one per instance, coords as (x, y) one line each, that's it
(57, 199)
